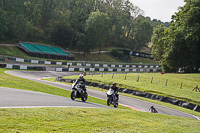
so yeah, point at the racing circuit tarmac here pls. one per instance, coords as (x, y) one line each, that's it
(13, 98)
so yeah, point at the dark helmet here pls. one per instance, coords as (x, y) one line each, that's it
(152, 106)
(114, 84)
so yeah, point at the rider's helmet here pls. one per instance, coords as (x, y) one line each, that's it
(114, 84)
(81, 76)
(152, 107)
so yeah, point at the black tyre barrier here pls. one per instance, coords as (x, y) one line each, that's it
(120, 89)
(2, 65)
(197, 108)
(88, 83)
(38, 68)
(140, 94)
(188, 105)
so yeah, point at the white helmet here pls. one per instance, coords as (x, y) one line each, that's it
(81, 76)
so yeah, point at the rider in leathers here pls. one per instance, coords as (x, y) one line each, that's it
(115, 88)
(81, 80)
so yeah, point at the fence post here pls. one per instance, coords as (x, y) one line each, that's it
(125, 76)
(138, 78)
(181, 85)
(166, 82)
(152, 80)
(113, 76)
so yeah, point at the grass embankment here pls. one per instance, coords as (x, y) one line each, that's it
(107, 58)
(15, 52)
(10, 81)
(92, 120)
(164, 85)
(12, 51)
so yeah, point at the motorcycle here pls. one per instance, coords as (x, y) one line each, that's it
(111, 98)
(78, 92)
(153, 111)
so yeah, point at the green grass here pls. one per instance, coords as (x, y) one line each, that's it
(107, 58)
(10, 81)
(158, 85)
(92, 120)
(12, 51)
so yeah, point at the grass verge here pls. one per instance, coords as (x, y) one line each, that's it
(92, 120)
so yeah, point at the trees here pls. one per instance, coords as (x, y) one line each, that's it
(97, 29)
(82, 43)
(3, 24)
(110, 22)
(143, 32)
(61, 35)
(158, 42)
(181, 40)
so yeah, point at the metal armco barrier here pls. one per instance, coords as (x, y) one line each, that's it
(85, 64)
(106, 70)
(23, 67)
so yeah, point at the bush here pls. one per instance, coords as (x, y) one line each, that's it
(117, 53)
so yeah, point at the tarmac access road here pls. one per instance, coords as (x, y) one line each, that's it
(123, 100)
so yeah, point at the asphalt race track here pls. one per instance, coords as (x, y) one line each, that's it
(14, 98)
(11, 97)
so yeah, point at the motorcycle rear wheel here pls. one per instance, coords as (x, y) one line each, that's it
(84, 98)
(116, 105)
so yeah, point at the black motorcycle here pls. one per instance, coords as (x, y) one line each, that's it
(79, 92)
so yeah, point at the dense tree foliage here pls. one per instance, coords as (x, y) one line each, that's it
(3, 24)
(178, 46)
(143, 32)
(97, 29)
(75, 23)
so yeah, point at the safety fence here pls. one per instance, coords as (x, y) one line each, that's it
(106, 70)
(43, 68)
(23, 67)
(85, 64)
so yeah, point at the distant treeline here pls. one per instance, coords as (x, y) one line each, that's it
(77, 24)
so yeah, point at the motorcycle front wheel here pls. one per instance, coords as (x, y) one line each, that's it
(73, 97)
(109, 100)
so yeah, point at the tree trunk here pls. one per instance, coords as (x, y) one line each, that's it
(3, 4)
(72, 40)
